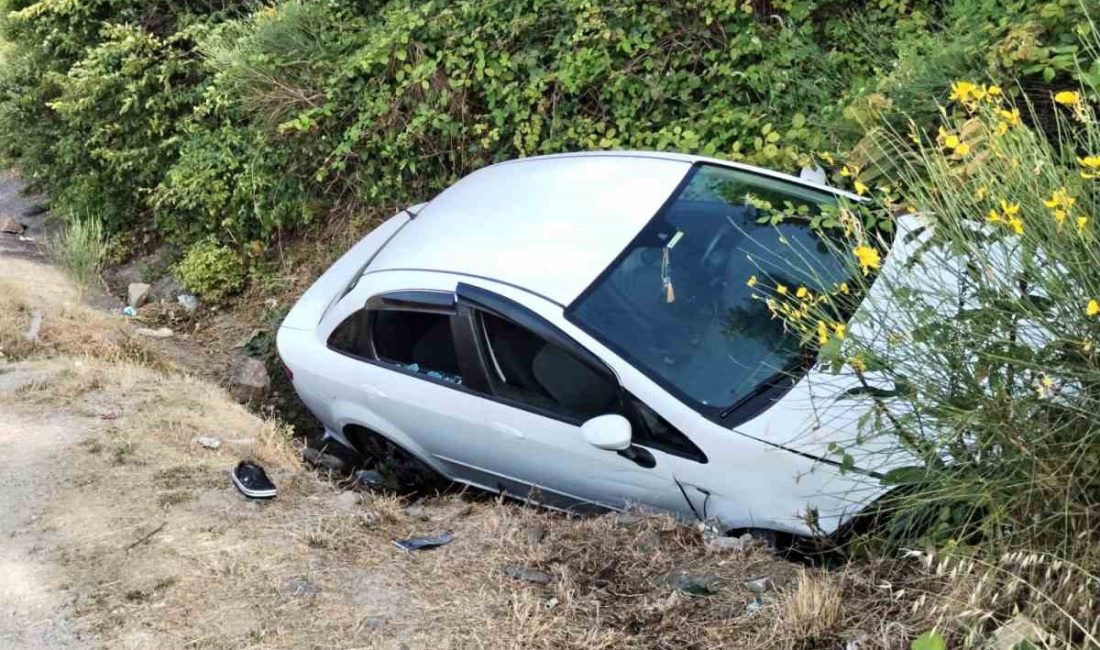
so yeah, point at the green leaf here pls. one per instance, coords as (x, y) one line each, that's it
(930, 640)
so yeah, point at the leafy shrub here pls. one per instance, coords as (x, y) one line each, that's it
(211, 270)
(241, 121)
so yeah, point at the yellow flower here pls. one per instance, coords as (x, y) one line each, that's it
(857, 363)
(802, 292)
(773, 306)
(962, 91)
(1081, 223)
(861, 187)
(840, 329)
(827, 157)
(781, 289)
(1060, 217)
(979, 194)
(951, 141)
(822, 333)
(1010, 117)
(1009, 209)
(994, 91)
(868, 258)
(844, 288)
(1067, 97)
(962, 149)
(1017, 225)
(1092, 162)
(1093, 307)
(849, 170)
(751, 281)
(1060, 199)
(994, 216)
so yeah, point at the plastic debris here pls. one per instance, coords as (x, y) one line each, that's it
(368, 478)
(189, 302)
(420, 543)
(129, 311)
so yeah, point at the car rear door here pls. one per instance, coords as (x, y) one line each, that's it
(396, 371)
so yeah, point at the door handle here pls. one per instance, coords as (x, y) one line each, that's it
(372, 391)
(513, 432)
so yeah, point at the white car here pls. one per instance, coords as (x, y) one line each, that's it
(577, 330)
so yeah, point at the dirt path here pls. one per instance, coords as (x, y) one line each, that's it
(37, 453)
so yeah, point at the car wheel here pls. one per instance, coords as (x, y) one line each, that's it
(401, 471)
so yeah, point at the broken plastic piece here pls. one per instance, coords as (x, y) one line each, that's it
(420, 543)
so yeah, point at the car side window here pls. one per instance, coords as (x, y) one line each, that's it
(651, 430)
(416, 341)
(529, 369)
(349, 336)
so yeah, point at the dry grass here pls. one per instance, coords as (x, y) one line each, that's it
(811, 610)
(68, 327)
(158, 550)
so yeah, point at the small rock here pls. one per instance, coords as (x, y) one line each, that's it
(299, 586)
(9, 225)
(758, 585)
(525, 574)
(31, 335)
(628, 518)
(418, 512)
(323, 460)
(137, 293)
(159, 333)
(210, 442)
(535, 533)
(695, 584)
(347, 501)
(188, 301)
(249, 381)
(1019, 632)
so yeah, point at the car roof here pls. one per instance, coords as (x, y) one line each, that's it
(546, 224)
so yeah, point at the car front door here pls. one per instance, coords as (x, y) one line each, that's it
(540, 388)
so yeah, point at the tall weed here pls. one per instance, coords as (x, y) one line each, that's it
(80, 249)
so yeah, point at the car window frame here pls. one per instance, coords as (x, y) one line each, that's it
(437, 301)
(758, 403)
(472, 299)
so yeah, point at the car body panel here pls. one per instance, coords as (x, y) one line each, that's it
(539, 242)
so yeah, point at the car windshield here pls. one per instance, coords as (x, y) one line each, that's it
(676, 303)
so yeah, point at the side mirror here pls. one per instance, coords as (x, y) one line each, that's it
(611, 432)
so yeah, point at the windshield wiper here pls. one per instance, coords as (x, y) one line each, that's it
(764, 386)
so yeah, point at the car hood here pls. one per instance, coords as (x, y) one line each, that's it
(829, 416)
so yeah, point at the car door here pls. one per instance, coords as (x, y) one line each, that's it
(540, 388)
(398, 362)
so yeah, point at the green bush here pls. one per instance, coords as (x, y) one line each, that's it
(211, 270)
(240, 121)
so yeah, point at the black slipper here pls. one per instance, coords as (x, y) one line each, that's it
(252, 481)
